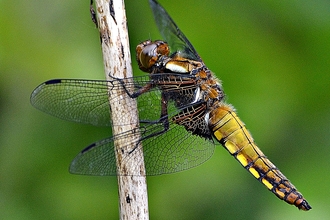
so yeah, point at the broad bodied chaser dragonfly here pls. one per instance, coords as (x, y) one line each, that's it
(182, 114)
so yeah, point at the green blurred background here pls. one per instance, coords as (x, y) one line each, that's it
(272, 56)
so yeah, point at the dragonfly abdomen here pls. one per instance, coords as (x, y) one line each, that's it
(230, 131)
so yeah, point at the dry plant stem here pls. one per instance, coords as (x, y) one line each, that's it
(112, 24)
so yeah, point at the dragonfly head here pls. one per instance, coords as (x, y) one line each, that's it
(148, 53)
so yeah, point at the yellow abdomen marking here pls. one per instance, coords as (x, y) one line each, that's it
(230, 131)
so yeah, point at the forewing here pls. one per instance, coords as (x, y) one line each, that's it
(83, 101)
(178, 42)
(87, 101)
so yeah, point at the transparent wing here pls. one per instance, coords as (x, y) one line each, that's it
(83, 101)
(171, 33)
(173, 151)
(87, 101)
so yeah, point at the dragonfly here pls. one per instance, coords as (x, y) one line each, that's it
(182, 113)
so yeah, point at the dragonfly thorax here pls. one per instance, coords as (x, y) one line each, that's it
(210, 87)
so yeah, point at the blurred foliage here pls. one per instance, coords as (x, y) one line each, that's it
(272, 56)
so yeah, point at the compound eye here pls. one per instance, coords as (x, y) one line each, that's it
(146, 56)
(162, 48)
(148, 53)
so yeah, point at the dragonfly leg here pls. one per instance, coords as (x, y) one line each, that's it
(163, 120)
(138, 92)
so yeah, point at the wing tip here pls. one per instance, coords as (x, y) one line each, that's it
(53, 81)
